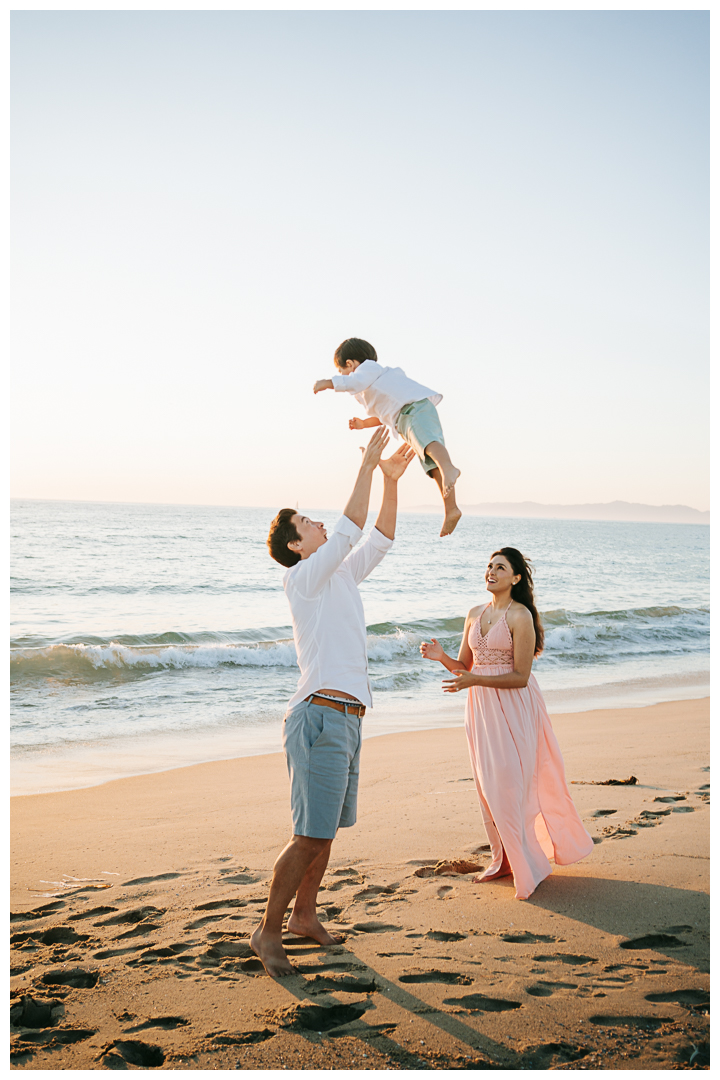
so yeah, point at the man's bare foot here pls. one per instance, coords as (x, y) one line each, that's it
(449, 479)
(451, 519)
(268, 948)
(312, 928)
(505, 870)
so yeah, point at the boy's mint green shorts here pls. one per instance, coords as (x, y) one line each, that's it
(419, 425)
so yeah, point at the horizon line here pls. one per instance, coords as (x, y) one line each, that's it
(472, 510)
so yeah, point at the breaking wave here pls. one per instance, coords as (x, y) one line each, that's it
(572, 639)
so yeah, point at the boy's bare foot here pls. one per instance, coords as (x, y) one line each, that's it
(505, 870)
(312, 928)
(451, 519)
(449, 479)
(268, 948)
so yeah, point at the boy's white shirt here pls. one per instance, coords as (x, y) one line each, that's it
(383, 391)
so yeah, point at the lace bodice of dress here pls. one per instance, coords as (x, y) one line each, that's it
(496, 647)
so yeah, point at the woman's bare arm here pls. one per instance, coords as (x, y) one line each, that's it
(432, 651)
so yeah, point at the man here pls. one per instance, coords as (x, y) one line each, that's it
(322, 727)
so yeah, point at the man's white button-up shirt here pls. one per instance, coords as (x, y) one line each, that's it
(383, 390)
(327, 613)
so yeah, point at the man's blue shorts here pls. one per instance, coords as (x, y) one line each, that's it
(322, 749)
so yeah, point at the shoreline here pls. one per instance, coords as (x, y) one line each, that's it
(133, 902)
(43, 771)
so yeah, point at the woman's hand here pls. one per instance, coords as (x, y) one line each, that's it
(462, 681)
(431, 650)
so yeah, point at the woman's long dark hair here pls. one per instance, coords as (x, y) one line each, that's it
(523, 591)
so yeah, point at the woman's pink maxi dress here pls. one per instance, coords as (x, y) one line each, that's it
(526, 806)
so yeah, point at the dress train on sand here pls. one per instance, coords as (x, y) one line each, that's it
(519, 774)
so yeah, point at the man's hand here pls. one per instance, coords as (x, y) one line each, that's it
(356, 424)
(322, 384)
(373, 453)
(393, 467)
(463, 681)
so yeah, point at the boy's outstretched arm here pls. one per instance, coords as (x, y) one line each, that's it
(356, 424)
(322, 384)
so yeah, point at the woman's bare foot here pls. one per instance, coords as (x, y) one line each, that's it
(312, 927)
(449, 478)
(505, 870)
(268, 948)
(451, 519)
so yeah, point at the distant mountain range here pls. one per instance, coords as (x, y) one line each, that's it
(612, 511)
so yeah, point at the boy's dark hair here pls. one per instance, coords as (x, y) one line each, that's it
(354, 348)
(283, 532)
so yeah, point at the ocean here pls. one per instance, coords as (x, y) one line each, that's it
(148, 637)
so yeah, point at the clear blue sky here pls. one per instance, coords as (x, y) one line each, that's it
(513, 206)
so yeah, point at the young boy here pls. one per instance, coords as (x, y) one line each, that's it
(406, 407)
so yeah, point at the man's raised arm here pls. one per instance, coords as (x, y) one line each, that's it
(357, 504)
(365, 558)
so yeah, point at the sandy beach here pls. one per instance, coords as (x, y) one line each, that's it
(132, 904)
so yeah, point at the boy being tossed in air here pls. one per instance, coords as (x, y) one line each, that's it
(406, 407)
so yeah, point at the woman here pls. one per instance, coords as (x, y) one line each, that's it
(526, 806)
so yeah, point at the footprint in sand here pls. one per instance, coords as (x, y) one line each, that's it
(442, 935)
(37, 913)
(524, 937)
(75, 977)
(239, 875)
(350, 965)
(373, 891)
(62, 935)
(237, 949)
(547, 989)
(577, 960)
(134, 915)
(228, 902)
(374, 927)
(141, 930)
(150, 880)
(107, 954)
(166, 1023)
(91, 914)
(34, 1013)
(348, 984)
(48, 1040)
(689, 998)
(242, 1038)
(198, 923)
(445, 978)
(134, 1053)
(481, 1003)
(318, 1017)
(335, 886)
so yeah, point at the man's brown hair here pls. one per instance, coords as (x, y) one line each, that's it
(283, 532)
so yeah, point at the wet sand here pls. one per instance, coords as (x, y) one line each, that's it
(132, 903)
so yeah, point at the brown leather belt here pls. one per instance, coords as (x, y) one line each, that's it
(353, 707)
